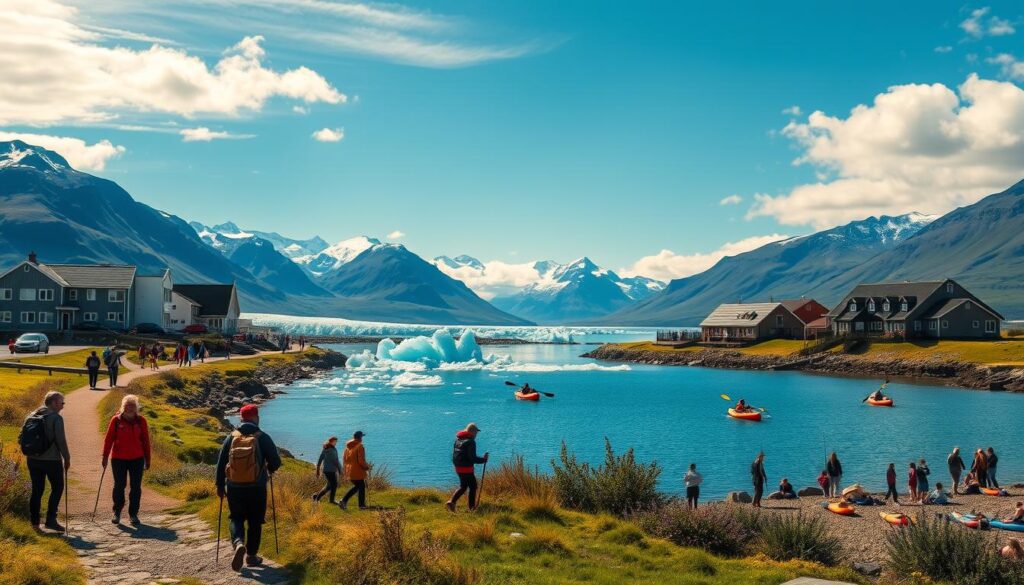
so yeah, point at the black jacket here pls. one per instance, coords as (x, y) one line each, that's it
(271, 459)
(835, 468)
(464, 451)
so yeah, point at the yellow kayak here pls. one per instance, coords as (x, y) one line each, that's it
(896, 519)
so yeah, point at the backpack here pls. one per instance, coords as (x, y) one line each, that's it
(33, 439)
(462, 452)
(106, 356)
(243, 459)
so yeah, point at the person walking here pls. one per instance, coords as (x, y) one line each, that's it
(991, 459)
(10, 345)
(356, 468)
(190, 354)
(127, 448)
(922, 480)
(302, 342)
(980, 468)
(692, 481)
(202, 352)
(464, 458)
(143, 354)
(890, 482)
(912, 481)
(45, 446)
(247, 459)
(956, 467)
(835, 474)
(92, 363)
(154, 355)
(331, 466)
(114, 366)
(759, 477)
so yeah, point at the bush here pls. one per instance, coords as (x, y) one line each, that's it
(514, 479)
(539, 541)
(795, 536)
(943, 551)
(14, 488)
(619, 486)
(378, 479)
(182, 473)
(713, 528)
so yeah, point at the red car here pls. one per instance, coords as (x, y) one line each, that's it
(196, 328)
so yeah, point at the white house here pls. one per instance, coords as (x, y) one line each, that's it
(153, 299)
(218, 304)
(184, 311)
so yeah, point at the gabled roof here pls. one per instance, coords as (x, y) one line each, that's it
(215, 299)
(187, 298)
(918, 290)
(739, 314)
(94, 275)
(941, 310)
(41, 268)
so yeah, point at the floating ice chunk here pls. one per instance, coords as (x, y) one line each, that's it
(433, 351)
(410, 379)
(363, 359)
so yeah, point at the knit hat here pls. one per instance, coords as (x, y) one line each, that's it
(249, 412)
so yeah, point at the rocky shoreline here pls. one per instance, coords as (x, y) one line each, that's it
(952, 373)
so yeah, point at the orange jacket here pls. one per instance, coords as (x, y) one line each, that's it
(355, 460)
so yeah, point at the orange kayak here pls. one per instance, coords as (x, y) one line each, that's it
(841, 508)
(990, 491)
(533, 397)
(882, 402)
(745, 415)
(896, 519)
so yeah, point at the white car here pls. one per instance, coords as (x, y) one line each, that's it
(32, 343)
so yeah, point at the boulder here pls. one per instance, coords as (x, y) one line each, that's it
(739, 498)
(867, 568)
(811, 491)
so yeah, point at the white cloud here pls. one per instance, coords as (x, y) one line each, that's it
(1009, 66)
(204, 134)
(792, 111)
(396, 235)
(667, 265)
(916, 147)
(944, 49)
(977, 26)
(55, 71)
(300, 110)
(731, 200)
(329, 135)
(82, 156)
(496, 278)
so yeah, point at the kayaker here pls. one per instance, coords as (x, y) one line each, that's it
(991, 459)
(759, 477)
(956, 467)
(878, 395)
(938, 496)
(1018, 514)
(835, 474)
(741, 406)
(890, 481)
(912, 481)
(1013, 550)
(464, 458)
(692, 481)
(526, 389)
(922, 479)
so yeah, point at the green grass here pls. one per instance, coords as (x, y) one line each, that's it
(14, 384)
(772, 347)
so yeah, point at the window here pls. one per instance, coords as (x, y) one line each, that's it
(945, 324)
(931, 325)
(975, 324)
(45, 318)
(5, 316)
(853, 306)
(116, 317)
(917, 325)
(990, 326)
(876, 325)
(778, 321)
(949, 287)
(28, 317)
(858, 326)
(73, 294)
(90, 294)
(27, 294)
(886, 306)
(89, 316)
(115, 296)
(25, 269)
(871, 306)
(967, 305)
(6, 294)
(904, 306)
(45, 294)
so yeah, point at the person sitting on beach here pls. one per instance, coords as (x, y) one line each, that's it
(785, 492)
(1013, 550)
(937, 496)
(1018, 514)
(971, 485)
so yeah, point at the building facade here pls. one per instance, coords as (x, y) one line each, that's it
(750, 322)
(153, 299)
(218, 306)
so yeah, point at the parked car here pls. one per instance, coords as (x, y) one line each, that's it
(89, 326)
(32, 343)
(196, 328)
(148, 329)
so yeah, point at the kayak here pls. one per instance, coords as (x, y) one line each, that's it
(883, 402)
(745, 415)
(991, 491)
(968, 520)
(1012, 526)
(533, 397)
(896, 519)
(841, 508)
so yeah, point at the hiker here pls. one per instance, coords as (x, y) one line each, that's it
(692, 481)
(92, 363)
(956, 467)
(331, 466)
(1018, 515)
(355, 469)
(890, 482)
(759, 477)
(179, 354)
(143, 354)
(922, 479)
(127, 448)
(835, 474)
(247, 459)
(113, 366)
(980, 468)
(823, 482)
(227, 349)
(1013, 550)
(190, 354)
(154, 353)
(938, 496)
(464, 458)
(992, 460)
(45, 446)
(302, 342)
(785, 492)
(912, 481)
(202, 352)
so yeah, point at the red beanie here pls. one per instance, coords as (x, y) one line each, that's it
(249, 412)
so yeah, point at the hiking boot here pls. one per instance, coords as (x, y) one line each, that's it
(116, 519)
(54, 525)
(364, 507)
(253, 561)
(450, 506)
(135, 520)
(238, 558)
(343, 505)
(315, 498)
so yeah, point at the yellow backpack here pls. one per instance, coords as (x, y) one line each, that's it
(243, 462)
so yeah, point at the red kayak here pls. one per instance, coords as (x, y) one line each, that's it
(532, 397)
(883, 402)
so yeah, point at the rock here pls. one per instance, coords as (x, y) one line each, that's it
(869, 569)
(811, 491)
(739, 498)
(515, 535)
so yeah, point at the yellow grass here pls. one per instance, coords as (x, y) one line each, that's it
(1002, 352)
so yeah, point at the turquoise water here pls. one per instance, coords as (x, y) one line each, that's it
(671, 414)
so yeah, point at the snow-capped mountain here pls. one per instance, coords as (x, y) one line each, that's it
(331, 258)
(459, 262)
(227, 236)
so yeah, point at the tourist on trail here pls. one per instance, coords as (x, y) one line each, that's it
(247, 459)
(890, 482)
(190, 354)
(92, 363)
(302, 342)
(143, 354)
(835, 474)
(331, 466)
(114, 366)
(759, 477)
(692, 481)
(355, 469)
(45, 446)
(227, 348)
(912, 481)
(956, 467)
(980, 467)
(127, 448)
(464, 458)
(922, 479)
(179, 354)
(154, 353)
(937, 496)
(10, 345)
(823, 481)
(786, 491)
(1013, 550)
(992, 460)
(1018, 514)
(202, 352)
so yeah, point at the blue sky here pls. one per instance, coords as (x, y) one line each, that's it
(537, 129)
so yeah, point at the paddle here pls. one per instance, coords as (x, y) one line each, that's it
(727, 399)
(548, 394)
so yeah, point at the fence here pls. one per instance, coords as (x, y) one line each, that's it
(677, 335)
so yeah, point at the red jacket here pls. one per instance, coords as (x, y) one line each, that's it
(890, 477)
(127, 440)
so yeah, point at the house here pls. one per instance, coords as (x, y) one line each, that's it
(935, 309)
(749, 322)
(57, 297)
(153, 299)
(184, 311)
(218, 306)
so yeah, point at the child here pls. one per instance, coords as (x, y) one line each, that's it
(938, 496)
(890, 481)
(823, 481)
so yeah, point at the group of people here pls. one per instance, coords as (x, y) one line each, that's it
(982, 473)
(111, 358)
(186, 353)
(151, 354)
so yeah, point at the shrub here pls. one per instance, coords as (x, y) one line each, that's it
(541, 540)
(713, 528)
(514, 479)
(619, 486)
(379, 478)
(28, 558)
(197, 489)
(480, 533)
(795, 536)
(626, 535)
(422, 496)
(542, 509)
(943, 551)
(14, 489)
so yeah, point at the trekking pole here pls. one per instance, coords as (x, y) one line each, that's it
(220, 514)
(98, 490)
(67, 505)
(480, 492)
(273, 506)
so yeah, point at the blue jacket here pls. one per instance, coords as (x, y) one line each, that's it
(267, 451)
